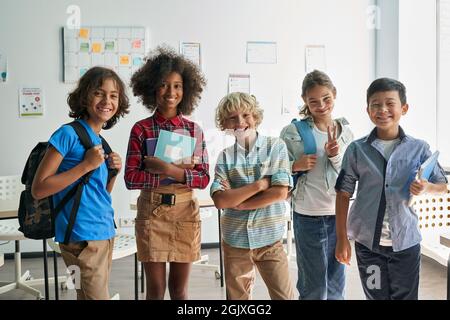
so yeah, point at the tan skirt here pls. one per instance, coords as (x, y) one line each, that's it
(168, 233)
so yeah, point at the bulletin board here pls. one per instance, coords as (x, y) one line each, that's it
(120, 48)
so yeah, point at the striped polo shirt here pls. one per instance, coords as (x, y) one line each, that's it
(251, 229)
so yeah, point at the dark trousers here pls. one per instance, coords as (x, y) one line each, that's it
(389, 275)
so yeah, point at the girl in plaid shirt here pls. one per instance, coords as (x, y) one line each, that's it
(168, 220)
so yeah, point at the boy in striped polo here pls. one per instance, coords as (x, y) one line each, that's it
(252, 180)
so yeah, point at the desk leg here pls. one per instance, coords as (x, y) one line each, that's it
(220, 250)
(44, 242)
(142, 277)
(135, 277)
(55, 273)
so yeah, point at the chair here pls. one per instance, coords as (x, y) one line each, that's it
(434, 220)
(124, 245)
(10, 189)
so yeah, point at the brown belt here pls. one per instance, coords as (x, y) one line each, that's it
(170, 199)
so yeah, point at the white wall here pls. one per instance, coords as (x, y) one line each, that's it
(387, 39)
(417, 67)
(30, 37)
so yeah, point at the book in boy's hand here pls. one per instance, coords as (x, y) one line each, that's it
(425, 171)
(173, 147)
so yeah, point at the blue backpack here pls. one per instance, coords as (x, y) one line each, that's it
(309, 143)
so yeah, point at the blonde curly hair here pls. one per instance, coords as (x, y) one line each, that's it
(237, 101)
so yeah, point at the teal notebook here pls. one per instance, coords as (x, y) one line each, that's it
(173, 147)
(425, 171)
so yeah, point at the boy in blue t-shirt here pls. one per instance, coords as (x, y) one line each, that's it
(385, 229)
(97, 103)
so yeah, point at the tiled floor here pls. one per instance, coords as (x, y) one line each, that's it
(203, 284)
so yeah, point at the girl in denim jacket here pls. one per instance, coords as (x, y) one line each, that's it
(320, 275)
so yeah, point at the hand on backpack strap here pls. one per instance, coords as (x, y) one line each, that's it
(305, 163)
(94, 157)
(114, 161)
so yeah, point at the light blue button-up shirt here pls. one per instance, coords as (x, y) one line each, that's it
(251, 229)
(379, 180)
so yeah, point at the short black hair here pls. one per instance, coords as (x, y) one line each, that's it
(387, 84)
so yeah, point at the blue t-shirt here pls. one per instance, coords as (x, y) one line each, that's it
(95, 218)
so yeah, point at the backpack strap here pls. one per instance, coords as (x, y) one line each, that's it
(305, 132)
(77, 191)
(111, 172)
(309, 143)
(87, 143)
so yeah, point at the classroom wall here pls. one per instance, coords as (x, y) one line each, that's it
(417, 68)
(30, 36)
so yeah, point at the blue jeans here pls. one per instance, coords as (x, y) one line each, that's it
(320, 275)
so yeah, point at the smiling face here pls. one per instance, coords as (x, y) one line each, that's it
(241, 124)
(104, 103)
(320, 101)
(170, 94)
(385, 110)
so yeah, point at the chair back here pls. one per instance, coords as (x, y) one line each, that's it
(10, 189)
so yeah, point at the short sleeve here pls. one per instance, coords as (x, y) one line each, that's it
(63, 139)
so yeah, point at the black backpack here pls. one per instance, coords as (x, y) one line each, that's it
(37, 217)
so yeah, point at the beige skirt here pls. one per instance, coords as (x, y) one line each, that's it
(168, 225)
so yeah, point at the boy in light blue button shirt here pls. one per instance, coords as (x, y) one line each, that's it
(251, 181)
(385, 229)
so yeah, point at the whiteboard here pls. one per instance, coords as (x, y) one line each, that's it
(120, 48)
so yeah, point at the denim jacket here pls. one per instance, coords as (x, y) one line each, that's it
(295, 148)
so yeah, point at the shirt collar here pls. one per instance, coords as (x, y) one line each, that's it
(256, 146)
(373, 135)
(176, 121)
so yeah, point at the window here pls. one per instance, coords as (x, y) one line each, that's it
(443, 81)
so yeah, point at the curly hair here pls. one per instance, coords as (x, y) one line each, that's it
(238, 101)
(312, 79)
(158, 65)
(79, 99)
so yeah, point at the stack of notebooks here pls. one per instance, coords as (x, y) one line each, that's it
(170, 147)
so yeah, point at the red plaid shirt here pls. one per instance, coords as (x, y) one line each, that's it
(136, 177)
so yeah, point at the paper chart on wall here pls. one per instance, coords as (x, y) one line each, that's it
(261, 52)
(315, 58)
(239, 83)
(31, 101)
(191, 50)
(119, 48)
